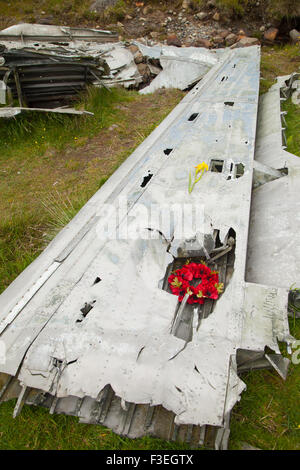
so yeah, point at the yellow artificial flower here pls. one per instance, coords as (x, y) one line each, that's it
(201, 167)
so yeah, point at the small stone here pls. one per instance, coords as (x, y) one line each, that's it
(231, 39)
(120, 25)
(246, 42)
(211, 3)
(294, 35)
(186, 4)
(202, 43)
(128, 17)
(138, 57)
(270, 34)
(216, 16)
(223, 34)
(172, 40)
(246, 446)
(47, 20)
(218, 40)
(147, 9)
(262, 28)
(133, 49)
(154, 34)
(144, 70)
(201, 16)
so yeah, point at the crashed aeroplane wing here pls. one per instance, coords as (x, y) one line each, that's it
(273, 249)
(90, 328)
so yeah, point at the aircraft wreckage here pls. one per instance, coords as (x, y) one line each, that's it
(91, 329)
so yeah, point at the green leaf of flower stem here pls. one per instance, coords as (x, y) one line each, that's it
(190, 182)
(196, 181)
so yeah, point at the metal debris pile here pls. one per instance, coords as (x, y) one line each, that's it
(45, 67)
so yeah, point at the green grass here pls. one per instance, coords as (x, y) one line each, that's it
(293, 127)
(35, 429)
(277, 60)
(268, 415)
(232, 6)
(33, 133)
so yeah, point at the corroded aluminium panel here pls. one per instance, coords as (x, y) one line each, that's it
(273, 250)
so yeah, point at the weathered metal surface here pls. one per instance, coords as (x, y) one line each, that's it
(48, 80)
(273, 248)
(98, 338)
(182, 67)
(11, 112)
(36, 32)
(47, 66)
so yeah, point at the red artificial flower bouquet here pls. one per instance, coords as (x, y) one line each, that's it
(208, 285)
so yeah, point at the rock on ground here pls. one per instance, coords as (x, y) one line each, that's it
(270, 34)
(295, 35)
(246, 42)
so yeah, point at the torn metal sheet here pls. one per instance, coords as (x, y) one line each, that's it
(270, 142)
(47, 66)
(11, 112)
(123, 69)
(51, 74)
(2, 92)
(273, 248)
(296, 92)
(48, 80)
(182, 67)
(102, 338)
(38, 32)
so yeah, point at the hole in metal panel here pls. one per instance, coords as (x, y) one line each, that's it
(193, 116)
(167, 151)
(229, 103)
(146, 180)
(284, 171)
(239, 170)
(216, 166)
(56, 362)
(85, 310)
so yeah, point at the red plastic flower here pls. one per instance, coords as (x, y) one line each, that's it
(197, 280)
